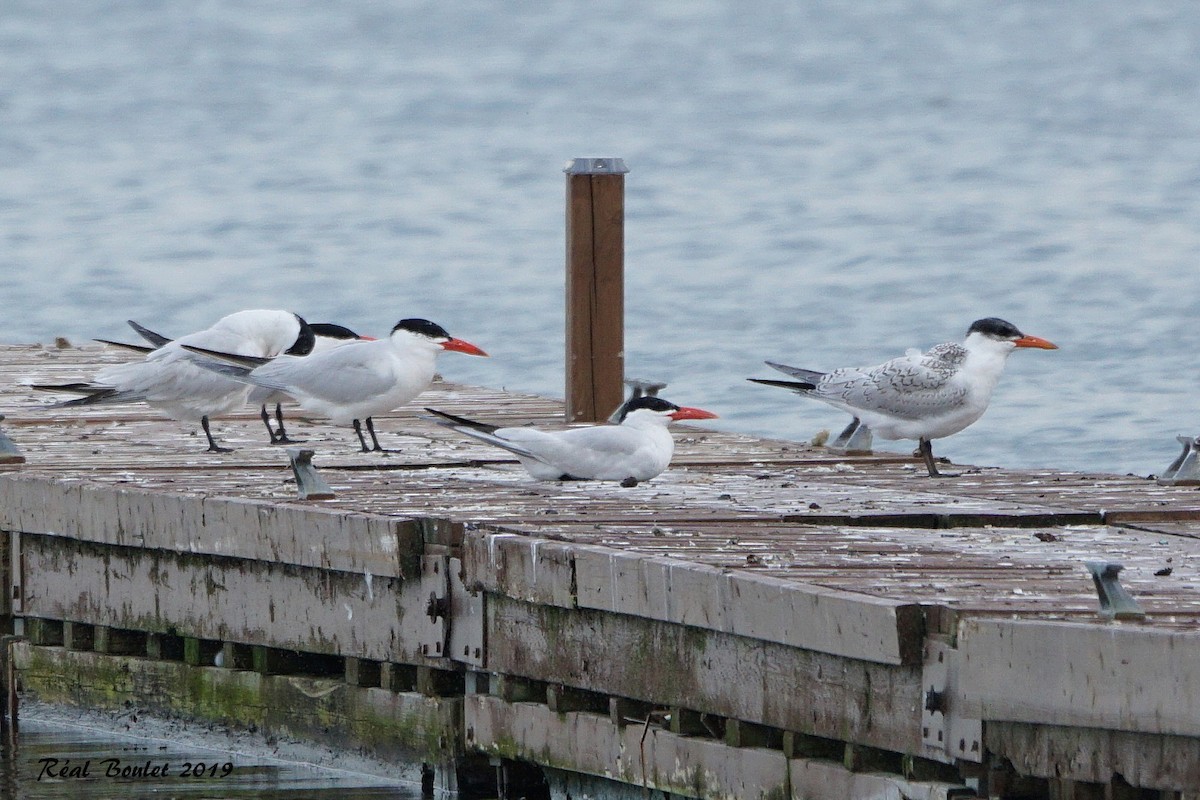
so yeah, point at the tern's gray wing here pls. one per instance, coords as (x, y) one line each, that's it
(909, 387)
(345, 374)
(156, 339)
(805, 375)
(452, 421)
(137, 348)
(497, 441)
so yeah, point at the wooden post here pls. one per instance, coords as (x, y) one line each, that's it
(595, 288)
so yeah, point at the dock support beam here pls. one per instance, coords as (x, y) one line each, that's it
(595, 287)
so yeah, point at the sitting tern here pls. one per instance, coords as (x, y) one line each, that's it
(168, 380)
(922, 396)
(353, 382)
(637, 448)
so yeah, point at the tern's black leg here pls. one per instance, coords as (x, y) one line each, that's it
(212, 443)
(374, 438)
(266, 418)
(361, 440)
(629, 482)
(279, 437)
(926, 450)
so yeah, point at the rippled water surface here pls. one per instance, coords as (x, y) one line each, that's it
(56, 761)
(820, 183)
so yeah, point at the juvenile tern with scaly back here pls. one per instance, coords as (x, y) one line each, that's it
(922, 396)
(354, 382)
(637, 448)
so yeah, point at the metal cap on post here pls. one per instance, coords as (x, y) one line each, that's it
(595, 287)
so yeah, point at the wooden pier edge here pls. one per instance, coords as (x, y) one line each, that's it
(405, 609)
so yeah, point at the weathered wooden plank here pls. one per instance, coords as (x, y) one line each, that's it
(525, 568)
(761, 607)
(305, 536)
(1095, 755)
(731, 676)
(831, 621)
(1119, 676)
(682, 765)
(251, 602)
(816, 778)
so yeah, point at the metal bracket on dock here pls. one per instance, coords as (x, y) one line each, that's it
(642, 387)
(855, 439)
(1115, 602)
(1185, 469)
(596, 166)
(947, 735)
(435, 623)
(9, 452)
(466, 618)
(16, 576)
(309, 483)
(450, 623)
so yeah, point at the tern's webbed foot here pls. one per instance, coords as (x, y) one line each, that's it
(629, 482)
(281, 437)
(213, 447)
(940, 474)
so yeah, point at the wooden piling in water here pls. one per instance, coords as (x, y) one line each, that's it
(595, 287)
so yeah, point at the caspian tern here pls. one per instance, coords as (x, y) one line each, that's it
(168, 380)
(922, 396)
(353, 382)
(326, 335)
(637, 448)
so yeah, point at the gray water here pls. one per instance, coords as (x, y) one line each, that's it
(820, 183)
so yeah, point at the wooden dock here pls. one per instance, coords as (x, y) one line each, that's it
(766, 619)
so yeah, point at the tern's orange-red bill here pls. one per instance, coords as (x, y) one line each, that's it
(685, 412)
(463, 347)
(1036, 341)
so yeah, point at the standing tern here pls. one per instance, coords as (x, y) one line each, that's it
(922, 396)
(637, 448)
(356, 381)
(326, 335)
(168, 380)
